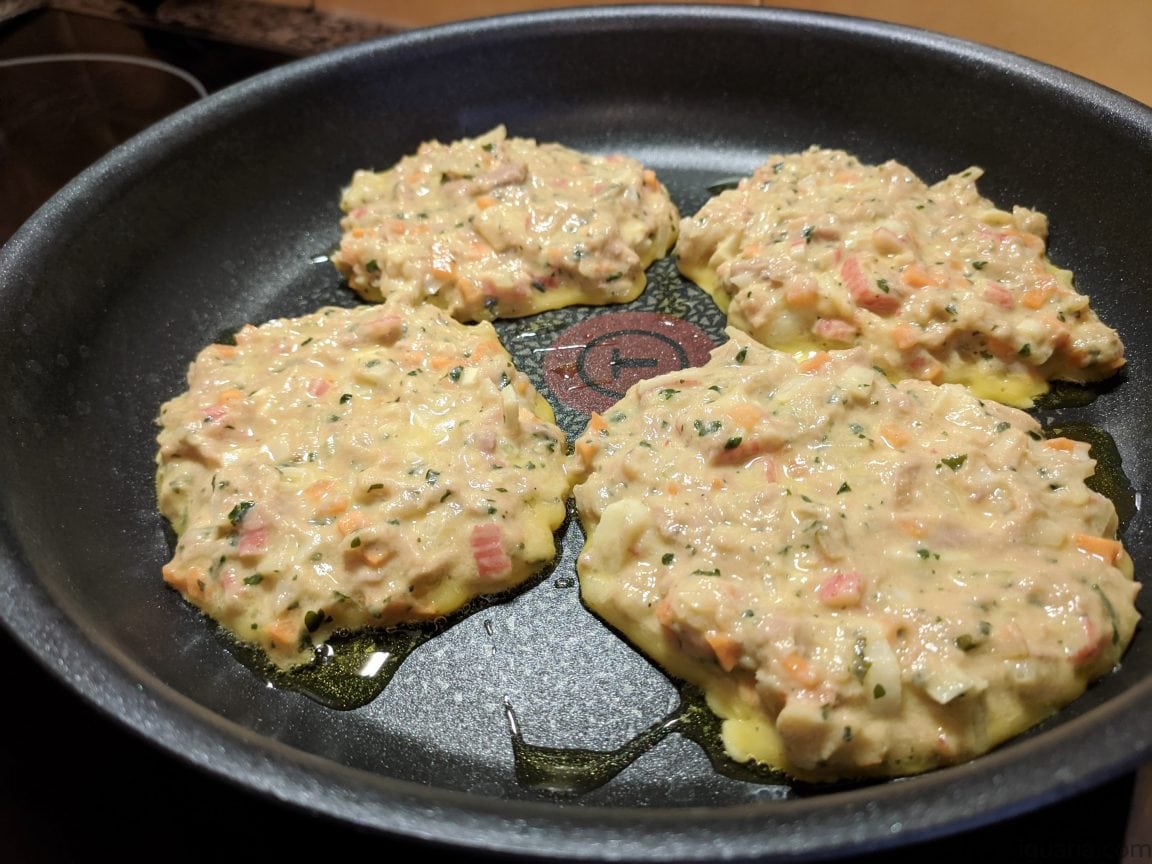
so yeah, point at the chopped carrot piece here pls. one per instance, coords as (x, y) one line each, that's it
(440, 362)
(745, 414)
(327, 497)
(229, 395)
(317, 491)
(338, 504)
(894, 436)
(1068, 445)
(283, 632)
(673, 487)
(915, 276)
(440, 270)
(1034, 297)
(912, 526)
(799, 669)
(727, 650)
(1104, 548)
(597, 423)
(409, 359)
(486, 348)
(478, 249)
(351, 521)
(587, 450)
(375, 555)
(811, 364)
(188, 580)
(485, 201)
(225, 352)
(171, 575)
(665, 614)
(468, 290)
(905, 336)
(801, 294)
(1004, 350)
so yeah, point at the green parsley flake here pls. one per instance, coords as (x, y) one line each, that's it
(954, 462)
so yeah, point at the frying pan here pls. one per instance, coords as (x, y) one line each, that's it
(224, 213)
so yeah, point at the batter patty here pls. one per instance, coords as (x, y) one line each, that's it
(498, 227)
(866, 578)
(355, 468)
(818, 251)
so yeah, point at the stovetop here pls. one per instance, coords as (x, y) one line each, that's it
(75, 85)
(75, 783)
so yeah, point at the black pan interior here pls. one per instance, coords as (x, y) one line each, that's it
(223, 214)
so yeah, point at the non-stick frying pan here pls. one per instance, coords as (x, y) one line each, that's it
(224, 213)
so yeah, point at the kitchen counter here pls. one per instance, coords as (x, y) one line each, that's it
(74, 783)
(1106, 41)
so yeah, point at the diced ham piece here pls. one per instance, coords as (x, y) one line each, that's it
(834, 329)
(253, 534)
(841, 590)
(770, 472)
(741, 450)
(385, 328)
(999, 295)
(253, 541)
(865, 293)
(488, 550)
(1093, 644)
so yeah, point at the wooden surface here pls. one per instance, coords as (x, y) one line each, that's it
(1107, 41)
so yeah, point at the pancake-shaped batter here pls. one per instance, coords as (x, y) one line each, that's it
(498, 227)
(866, 578)
(355, 468)
(818, 251)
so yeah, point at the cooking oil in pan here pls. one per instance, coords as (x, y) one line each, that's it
(576, 770)
(349, 670)
(1109, 478)
(352, 670)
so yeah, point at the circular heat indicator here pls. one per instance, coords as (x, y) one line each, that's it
(591, 365)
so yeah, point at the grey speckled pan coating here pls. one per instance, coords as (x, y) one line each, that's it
(215, 217)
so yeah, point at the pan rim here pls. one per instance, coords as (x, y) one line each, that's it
(118, 687)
